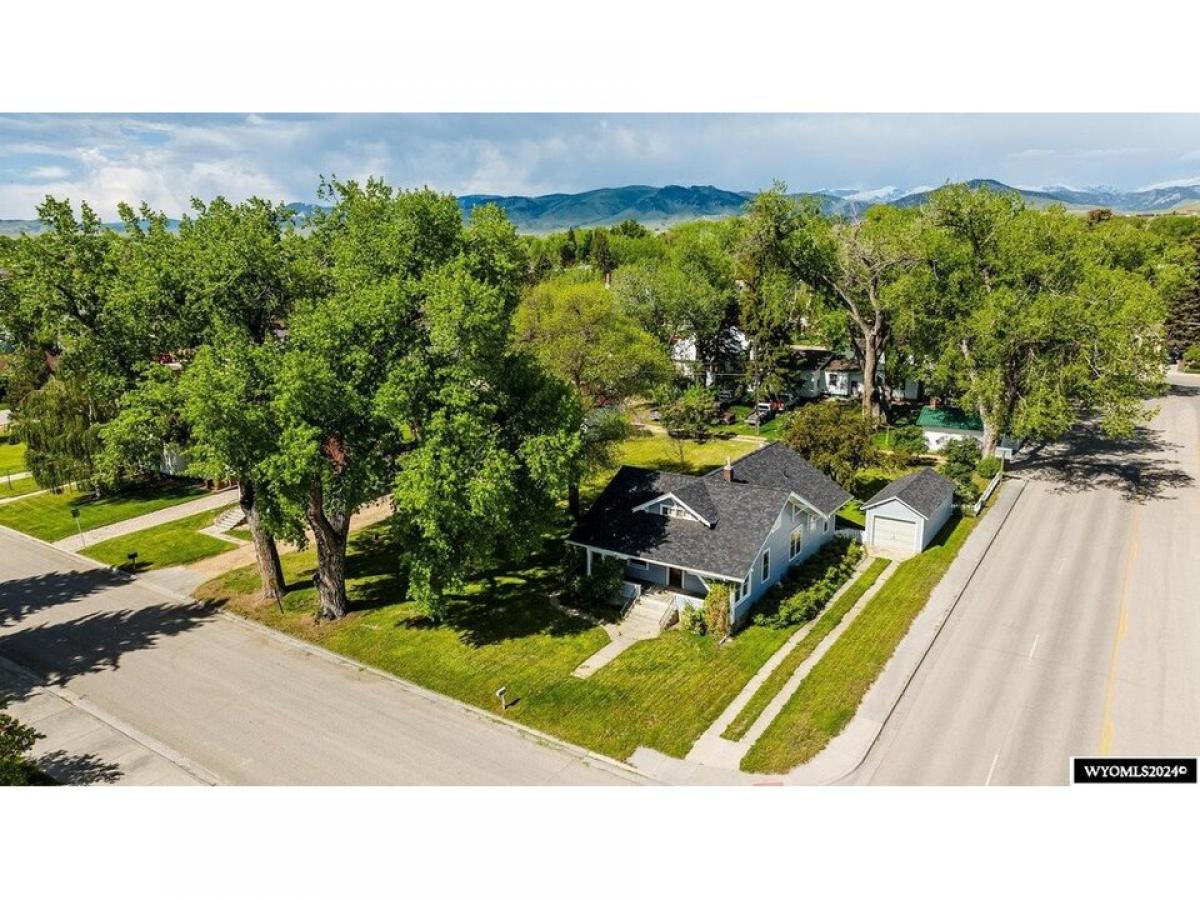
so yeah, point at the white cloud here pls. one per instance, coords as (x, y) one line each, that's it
(165, 160)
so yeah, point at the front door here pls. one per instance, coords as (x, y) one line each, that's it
(675, 578)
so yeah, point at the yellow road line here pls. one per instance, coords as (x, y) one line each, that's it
(1110, 683)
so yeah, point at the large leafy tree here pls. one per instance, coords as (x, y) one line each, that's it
(782, 249)
(834, 437)
(580, 332)
(1034, 319)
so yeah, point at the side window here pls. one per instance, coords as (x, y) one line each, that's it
(746, 586)
(766, 565)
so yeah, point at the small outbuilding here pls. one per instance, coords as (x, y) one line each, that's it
(904, 517)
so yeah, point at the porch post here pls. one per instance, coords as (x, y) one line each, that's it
(589, 560)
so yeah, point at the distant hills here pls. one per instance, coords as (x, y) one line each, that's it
(658, 207)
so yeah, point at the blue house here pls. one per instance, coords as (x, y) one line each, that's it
(744, 524)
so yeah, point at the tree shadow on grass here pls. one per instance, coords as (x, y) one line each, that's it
(1086, 459)
(21, 597)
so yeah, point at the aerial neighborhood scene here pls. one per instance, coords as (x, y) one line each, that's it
(391, 475)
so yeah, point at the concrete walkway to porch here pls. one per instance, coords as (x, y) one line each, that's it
(713, 749)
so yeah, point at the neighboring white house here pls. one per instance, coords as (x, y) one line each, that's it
(904, 517)
(685, 358)
(744, 525)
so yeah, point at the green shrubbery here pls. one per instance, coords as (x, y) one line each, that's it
(596, 591)
(1191, 358)
(710, 617)
(802, 593)
(716, 611)
(691, 618)
(16, 740)
(962, 456)
(989, 467)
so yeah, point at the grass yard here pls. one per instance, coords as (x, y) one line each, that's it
(652, 450)
(851, 514)
(170, 544)
(12, 457)
(769, 430)
(15, 487)
(48, 516)
(828, 698)
(503, 631)
(824, 624)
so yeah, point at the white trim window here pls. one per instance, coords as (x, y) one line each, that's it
(797, 542)
(812, 524)
(766, 566)
(825, 527)
(746, 586)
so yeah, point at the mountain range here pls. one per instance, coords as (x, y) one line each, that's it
(657, 207)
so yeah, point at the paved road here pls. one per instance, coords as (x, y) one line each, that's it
(1080, 634)
(239, 704)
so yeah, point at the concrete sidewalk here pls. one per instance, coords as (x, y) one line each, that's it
(159, 517)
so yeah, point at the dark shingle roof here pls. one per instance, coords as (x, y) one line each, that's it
(741, 512)
(778, 466)
(924, 490)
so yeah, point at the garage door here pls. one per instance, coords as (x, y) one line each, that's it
(895, 534)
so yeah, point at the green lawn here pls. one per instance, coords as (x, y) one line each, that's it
(48, 516)
(15, 487)
(769, 430)
(828, 698)
(828, 621)
(12, 457)
(170, 544)
(652, 450)
(503, 632)
(851, 514)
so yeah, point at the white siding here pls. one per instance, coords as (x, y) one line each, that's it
(779, 544)
(895, 510)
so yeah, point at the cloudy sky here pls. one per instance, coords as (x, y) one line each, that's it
(166, 159)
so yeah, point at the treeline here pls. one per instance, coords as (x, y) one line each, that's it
(476, 375)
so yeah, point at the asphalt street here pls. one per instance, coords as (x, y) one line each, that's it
(234, 702)
(1080, 633)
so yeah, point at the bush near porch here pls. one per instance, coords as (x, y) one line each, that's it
(801, 594)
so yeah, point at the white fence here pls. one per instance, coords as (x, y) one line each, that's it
(854, 534)
(987, 492)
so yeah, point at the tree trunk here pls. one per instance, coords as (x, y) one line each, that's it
(269, 568)
(991, 434)
(868, 352)
(573, 499)
(330, 533)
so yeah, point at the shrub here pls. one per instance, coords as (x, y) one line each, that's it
(1191, 358)
(716, 611)
(803, 593)
(962, 452)
(16, 740)
(601, 588)
(691, 618)
(910, 438)
(988, 467)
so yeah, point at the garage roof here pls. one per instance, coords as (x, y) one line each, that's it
(923, 491)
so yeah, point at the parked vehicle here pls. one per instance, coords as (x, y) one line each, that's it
(762, 413)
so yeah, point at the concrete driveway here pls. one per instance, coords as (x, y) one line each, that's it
(232, 703)
(1081, 632)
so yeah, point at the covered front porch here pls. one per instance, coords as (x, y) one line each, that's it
(643, 576)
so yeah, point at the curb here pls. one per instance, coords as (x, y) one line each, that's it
(532, 734)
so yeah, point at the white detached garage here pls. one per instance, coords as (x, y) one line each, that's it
(904, 517)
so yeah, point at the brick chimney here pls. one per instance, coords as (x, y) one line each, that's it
(728, 470)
